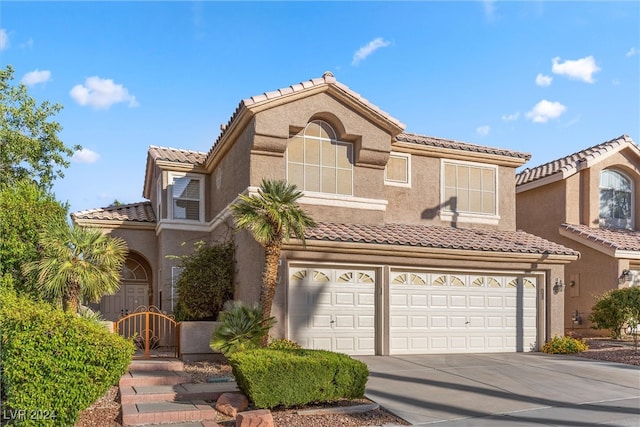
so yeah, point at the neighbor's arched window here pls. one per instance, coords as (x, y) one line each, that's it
(318, 162)
(615, 200)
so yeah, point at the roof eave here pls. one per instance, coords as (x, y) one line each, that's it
(114, 224)
(427, 252)
(456, 154)
(603, 247)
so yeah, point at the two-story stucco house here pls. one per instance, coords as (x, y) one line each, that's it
(588, 201)
(415, 249)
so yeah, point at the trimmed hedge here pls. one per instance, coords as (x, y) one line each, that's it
(54, 364)
(287, 378)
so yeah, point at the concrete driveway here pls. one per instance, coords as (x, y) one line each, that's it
(515, 389)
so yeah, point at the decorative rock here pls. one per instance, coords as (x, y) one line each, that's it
(258, 418)
(232, 403)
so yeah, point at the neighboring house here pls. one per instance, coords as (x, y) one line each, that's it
(415, 250)
(588, 201)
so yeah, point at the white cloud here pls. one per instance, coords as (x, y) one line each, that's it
(4, 39)
(545, 110)
(580, 69)
(511, 117)
(483, 130)
(633, 51)
(615, 82)
(35, 77)
(101, 93)
(367, 50)
(489, 9)
(85, 156)
(542, 80)
(26, 45)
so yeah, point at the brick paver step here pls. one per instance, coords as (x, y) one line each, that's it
(167, 412)
(148, 378)
(156, 365)
(178, 392)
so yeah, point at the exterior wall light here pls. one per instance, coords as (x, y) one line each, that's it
(626, 276)
(558, 286)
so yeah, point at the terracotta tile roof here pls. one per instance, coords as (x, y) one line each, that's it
(616, 238)
(457, 145)
(326, 79)
(438, 238)
(177, 155)
(137, 212)
(573, 162)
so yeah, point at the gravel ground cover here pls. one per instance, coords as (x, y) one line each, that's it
(105, 412)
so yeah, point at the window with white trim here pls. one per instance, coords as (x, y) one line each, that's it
(469, 188)
(186, 192)
(616, 203)
(398, 170)
(318, 162)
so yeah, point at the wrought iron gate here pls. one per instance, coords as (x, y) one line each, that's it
(151, 329)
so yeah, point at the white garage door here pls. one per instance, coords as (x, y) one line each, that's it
(437, 312)
(332, 309)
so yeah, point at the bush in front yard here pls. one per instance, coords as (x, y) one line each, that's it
(615, 309)
(564, 345)
(287, 378)
(54, 364)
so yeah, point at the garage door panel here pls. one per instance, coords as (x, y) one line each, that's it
(479, 314)
(332, 309)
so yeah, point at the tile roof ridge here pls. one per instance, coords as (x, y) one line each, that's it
(182, 150)
(582, 154)
(122, 206)
(496, 150)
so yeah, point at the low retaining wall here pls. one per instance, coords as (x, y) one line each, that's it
(194, 341)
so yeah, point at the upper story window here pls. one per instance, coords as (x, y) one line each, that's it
(318, 162)
(615, 200)
(398, 170)
(469, 188)
(187, 195)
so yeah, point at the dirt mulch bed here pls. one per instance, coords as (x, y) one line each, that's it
(105, 412)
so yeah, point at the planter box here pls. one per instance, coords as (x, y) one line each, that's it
(194, 341)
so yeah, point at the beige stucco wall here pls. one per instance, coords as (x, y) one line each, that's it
(575, 200)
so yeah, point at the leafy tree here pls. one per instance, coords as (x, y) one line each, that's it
(25, 209)
(206, 282)
(78, 263)
(615, 309)
(30, 147)
(272, 216)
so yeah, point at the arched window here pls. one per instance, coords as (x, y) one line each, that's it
(318, 162)
(615, 200)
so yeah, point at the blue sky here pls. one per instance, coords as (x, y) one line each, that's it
(548, 78)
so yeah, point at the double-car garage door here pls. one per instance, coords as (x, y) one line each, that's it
(428, 311)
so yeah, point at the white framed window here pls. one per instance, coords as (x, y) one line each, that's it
(186, 194)
(398, 170)
(469, 188)
(318, 162)
(616, 200)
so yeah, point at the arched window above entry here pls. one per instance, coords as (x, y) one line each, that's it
(616, 200)
(318, 162)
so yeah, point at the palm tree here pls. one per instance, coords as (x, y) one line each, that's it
(272, 216)
(78, 263)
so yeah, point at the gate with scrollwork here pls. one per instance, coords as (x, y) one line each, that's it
(151, 330)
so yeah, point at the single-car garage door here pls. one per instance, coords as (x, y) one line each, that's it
(440, 312)
(332, 309)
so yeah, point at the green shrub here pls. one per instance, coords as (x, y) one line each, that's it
(273, 378)
(564, 345)
(242, 328)
(283, 344)
(615, 309)
(206, 282)
(55, 364)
